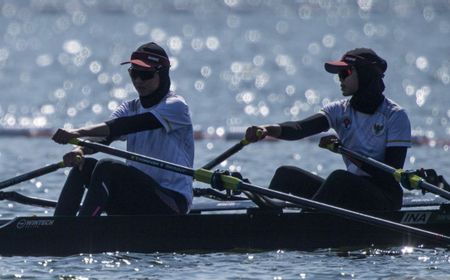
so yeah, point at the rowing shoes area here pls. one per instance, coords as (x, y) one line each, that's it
(241, 216)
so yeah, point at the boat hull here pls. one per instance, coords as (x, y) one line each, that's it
(260, 230)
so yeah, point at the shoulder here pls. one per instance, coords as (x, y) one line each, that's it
(392, 105)
(130, 103)
(336, 106)
(338, 103)
(173, 106)
(126, 107)
(391, 108)
(172, 97)
(395, 115)
(174, 100)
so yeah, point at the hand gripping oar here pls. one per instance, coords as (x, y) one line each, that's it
(233, 183)
(32, 174)
(415, 180)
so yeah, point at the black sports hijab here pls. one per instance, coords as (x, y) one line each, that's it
(164, 79)
(370, 90)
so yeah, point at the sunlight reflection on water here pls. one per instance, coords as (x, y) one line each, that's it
(237, 62)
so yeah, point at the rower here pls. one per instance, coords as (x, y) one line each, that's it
(156, 124)
(367, 122)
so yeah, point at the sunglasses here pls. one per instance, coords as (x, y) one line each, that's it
(144, 75)
(345, 73)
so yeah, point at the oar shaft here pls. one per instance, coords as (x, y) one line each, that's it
(20, 198)
(345, 213)
(135, 157)
(32, 174)
(228, 153)
(420, 182)
(233, 183)
(368, 160)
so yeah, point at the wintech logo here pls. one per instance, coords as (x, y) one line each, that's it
(27, 224)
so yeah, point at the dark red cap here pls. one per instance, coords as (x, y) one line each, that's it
(357, 57)
(150, 56)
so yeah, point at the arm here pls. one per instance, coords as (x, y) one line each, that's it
(300, 129)
(132, 124)
(106, 132)
(289, 130)
(110, 129)
(256, 133)
(63, 136)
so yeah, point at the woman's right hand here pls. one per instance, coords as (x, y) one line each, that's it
(255, 133)
(63, 136)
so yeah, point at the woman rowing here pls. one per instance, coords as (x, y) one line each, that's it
(156, 124)
(368, 123)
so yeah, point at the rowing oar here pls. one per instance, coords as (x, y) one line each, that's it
(233, 183)
(415, 181)
(28, 200)
(32, 174)
(228, 153)
(210, 192)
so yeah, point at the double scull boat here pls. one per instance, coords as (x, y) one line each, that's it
(218, 226)
(294, 223)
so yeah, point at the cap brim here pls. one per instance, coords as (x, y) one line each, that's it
(336, 66)
(138, 62)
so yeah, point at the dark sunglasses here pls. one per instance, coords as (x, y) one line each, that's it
(144, 75)
(345, 73)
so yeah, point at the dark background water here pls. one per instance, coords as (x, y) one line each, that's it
(237, 63)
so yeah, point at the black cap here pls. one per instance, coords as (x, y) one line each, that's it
(357, 57)
(149, 56)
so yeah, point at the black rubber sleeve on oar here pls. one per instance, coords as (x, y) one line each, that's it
(32, 174)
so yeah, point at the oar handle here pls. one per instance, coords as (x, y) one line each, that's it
(32, 174)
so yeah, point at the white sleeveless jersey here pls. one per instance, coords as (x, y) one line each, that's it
(366, 134)
(173, 143)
